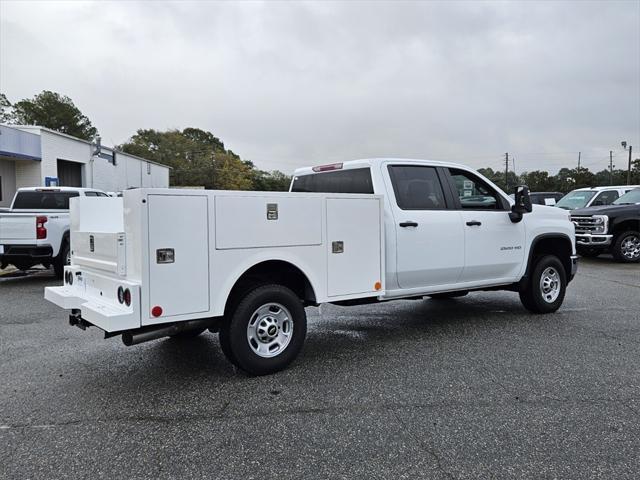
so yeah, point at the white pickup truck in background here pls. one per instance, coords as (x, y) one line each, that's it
(35, 229)
(162, 262)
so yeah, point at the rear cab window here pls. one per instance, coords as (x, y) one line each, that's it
(43, 200)
(353, 180)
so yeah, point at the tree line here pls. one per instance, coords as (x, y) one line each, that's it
(199, 158)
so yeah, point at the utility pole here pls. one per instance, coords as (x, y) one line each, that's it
(611, 165)
(629, 168)
(579, 155)
(506, 170)
(624, 145)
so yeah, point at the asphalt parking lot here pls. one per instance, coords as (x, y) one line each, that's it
(468, 388)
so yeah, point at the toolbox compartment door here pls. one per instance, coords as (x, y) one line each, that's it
(180, 285)
(353, 246)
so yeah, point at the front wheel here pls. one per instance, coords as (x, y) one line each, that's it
(265, 331)
(626, 247)
(546, 287)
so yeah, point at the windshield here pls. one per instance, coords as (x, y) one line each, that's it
(629, 198)
(576, 199)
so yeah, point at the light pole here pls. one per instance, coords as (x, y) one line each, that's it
(624, 145)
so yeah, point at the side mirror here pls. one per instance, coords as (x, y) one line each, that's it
(522, 203)
(598, 203)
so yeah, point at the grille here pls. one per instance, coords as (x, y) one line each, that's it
(588, 225)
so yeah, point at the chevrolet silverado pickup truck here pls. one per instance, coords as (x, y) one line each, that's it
(174, 263)
(35, 229)
(611, 229)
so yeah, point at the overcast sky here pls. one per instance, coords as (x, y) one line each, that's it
(292, 84)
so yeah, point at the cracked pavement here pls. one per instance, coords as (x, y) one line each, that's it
(469, 388)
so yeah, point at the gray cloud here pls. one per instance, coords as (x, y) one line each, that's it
(290, 84)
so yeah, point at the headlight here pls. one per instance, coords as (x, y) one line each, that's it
(600, 223)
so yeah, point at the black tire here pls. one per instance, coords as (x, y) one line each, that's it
(61, 260)
(188, 334)
(234, 338)
(588, 252)
(532, 296)
(448, 295)
(621, 250)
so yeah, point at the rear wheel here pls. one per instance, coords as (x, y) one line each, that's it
(546, 287)
(626, 247)
(63, 259)
(265, 331)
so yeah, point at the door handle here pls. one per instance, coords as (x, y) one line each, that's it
(408, 224)
(474, 223)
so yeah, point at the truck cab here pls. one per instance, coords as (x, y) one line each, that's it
(448, 228)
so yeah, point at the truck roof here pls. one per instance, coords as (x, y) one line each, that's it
(368, 162)
(58, 189)
(618, 187)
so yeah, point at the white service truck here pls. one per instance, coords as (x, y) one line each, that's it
(161, 262)
(35, 229)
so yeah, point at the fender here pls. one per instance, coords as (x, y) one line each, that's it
(618, 220)
(222, 295)
(524, 281)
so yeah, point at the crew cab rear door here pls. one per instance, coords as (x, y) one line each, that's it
(429, 233)
(494, 246)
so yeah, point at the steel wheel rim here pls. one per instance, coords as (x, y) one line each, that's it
(550, 284)
(270, 330)
(630, 247)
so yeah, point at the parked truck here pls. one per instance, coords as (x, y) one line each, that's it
(35, 229)
(611, 229)
(173, 263)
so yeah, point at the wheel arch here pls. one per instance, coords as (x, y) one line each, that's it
(557, 244)
(278, 271)
(624, 224)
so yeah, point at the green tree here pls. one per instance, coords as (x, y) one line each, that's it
(6, 115)
(55, 111)
(196, 156)
(538, 181)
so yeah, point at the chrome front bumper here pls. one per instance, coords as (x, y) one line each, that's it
(593, 240)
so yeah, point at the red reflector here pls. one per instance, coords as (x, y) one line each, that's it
(326, 168)
(156, 311)
(41, 231)
(127, 297)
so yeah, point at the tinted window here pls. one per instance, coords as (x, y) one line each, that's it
(357, 180)
(632, 196)
(43, 200)
(606, 198)
(417, 188)
(95, 194)
(474, 194)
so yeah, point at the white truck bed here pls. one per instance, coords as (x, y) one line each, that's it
(215, 237)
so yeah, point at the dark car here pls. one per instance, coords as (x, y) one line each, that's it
(613, 228)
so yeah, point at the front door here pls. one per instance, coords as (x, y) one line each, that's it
(429, 233)
(494, 246)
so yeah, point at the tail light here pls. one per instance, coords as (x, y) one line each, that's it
(41, 230)
(121, 295)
